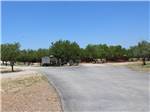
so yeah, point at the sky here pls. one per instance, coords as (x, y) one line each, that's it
(36, 24)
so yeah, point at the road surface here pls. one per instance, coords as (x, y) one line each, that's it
(100, 88)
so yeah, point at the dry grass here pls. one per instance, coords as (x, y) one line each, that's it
(139, 67)
(20, 83)
(29, 94)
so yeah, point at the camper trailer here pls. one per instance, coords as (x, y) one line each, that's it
(45, 61)
(50, 61)
(53, 61)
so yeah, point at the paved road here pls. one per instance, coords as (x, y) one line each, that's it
(100, 88)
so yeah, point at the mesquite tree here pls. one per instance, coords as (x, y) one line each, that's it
(10, 52)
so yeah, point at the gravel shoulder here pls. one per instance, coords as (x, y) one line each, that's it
(28, 91)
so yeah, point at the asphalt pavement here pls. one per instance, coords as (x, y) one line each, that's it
(100, 88)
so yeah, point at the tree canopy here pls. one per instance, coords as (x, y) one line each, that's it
(10, 52)
(142, 50)
(67, 50)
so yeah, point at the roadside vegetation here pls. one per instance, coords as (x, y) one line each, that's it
(138, 67)
(70, 51)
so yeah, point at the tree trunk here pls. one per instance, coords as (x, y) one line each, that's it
(12, 65)
(6, 63)
(12, 68)
(144, 63)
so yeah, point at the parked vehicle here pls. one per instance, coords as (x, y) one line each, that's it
(53, 61)
(99, 61)
(45, 61)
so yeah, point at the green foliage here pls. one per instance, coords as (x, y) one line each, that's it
(65, 50)
(117, 52)
(32, 55)
(41, 53)
(142, 50)
(4, 56)
(10, 52)
(92, 51)
(107, 52)
(83, 53)
(23, 57)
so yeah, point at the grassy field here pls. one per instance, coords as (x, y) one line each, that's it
(139, 67)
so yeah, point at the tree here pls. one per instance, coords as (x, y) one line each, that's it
(41, 53)
(92, 50)
(65, 50)
(103, 51)
(31, 56)
(142, 50)
(117, 53)
(23, 56)
(84, 55)
(10, 52)
(4, 56)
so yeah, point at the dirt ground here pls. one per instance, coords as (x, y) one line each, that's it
(30, 93)
(7, 69)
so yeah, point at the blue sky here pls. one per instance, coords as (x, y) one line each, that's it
(37, 24)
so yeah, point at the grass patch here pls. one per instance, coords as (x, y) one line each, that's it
(140, 67)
